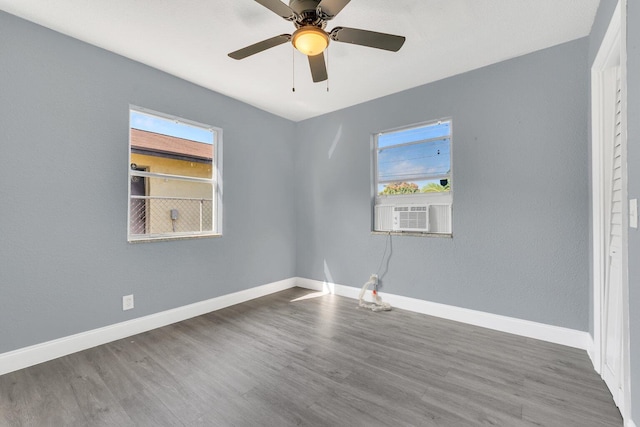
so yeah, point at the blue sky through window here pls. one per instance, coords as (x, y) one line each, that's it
(170, 127)
(415, 161)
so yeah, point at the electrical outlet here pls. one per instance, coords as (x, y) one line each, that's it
(127, 302)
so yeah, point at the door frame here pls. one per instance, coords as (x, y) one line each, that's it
(613, 46)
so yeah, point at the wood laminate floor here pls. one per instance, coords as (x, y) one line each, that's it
(321, 361)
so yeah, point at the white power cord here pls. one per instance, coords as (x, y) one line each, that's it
(377, 304)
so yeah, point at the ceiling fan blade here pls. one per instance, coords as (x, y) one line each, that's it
(331, 8)
(279, 8)
(260, 46)
(368, 38)
(318, 68)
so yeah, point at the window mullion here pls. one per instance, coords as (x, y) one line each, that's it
(170, 176)
(423, 141)
(415, 178)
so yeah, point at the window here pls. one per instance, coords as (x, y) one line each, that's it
(174, 177)
(413, 179)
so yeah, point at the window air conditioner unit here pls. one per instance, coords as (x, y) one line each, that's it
(411, 218)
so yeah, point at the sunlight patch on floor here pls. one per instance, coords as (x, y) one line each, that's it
(311, 296)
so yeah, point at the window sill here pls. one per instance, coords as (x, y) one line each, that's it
(167, 238)
(412, 234)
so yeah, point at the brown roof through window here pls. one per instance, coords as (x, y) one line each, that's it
(155, 142)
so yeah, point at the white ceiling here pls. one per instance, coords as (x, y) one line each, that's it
(191, 38)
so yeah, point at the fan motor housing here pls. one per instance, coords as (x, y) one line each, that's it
(307, 13)
(301, 6)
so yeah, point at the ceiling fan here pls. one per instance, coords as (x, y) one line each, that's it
(310, 18)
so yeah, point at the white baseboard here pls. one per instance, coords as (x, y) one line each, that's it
(591, 351)
(39, 353)
(540, 331)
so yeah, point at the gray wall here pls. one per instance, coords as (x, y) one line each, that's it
(633, 162)
(64, 258)
(520, 191)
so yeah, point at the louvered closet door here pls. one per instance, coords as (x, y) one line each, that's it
(613, 287)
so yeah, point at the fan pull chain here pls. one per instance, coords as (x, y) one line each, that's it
(293, 70)
(328, 74)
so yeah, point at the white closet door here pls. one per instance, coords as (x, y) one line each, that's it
(612, 328)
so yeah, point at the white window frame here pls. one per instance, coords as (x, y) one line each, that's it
(443, 201)
(215, 181)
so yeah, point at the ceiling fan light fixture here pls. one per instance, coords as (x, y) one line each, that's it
(310, 40)
(310, 19)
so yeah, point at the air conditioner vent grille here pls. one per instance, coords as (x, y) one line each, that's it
(438, 217)
(411, 218)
